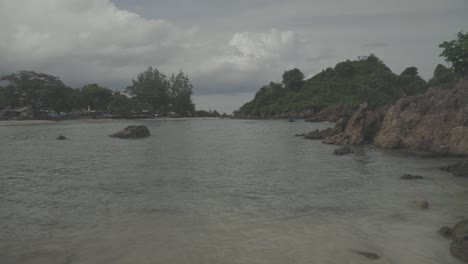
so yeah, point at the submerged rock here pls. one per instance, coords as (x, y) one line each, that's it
(132, 132)
(343, 151)
(368, 255)
(459, 247)
(313, 135)
(445, 231)
(61, 137)
(411, 177)
(460, 169)
(422, 204)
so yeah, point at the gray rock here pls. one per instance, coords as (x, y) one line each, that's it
(422, 204)
(459, 247)
(343, 151)
(460, 169)
(445, 231)
(62, 137)
(368, 255)
(132, 132)
(411, 177)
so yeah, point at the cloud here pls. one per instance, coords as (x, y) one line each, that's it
(88, 38)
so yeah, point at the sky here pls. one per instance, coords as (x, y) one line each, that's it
(228, 48)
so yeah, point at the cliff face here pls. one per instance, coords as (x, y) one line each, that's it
(435, 122)
(361, 127)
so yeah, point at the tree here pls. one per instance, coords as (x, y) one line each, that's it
(96, 97)
(456, 53)
(151, 87)
(410, 82)
(410, 71)
(120, 105)
(181, 91)
(444, 76)
(293, 79)
(32, 89)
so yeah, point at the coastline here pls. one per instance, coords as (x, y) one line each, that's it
(90, 120)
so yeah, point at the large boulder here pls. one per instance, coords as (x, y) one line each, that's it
(459, 247)
(460, 169)
(360, 128)
(132, 132)
(434, 122)
(343, 151)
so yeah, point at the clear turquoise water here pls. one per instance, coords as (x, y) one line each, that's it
(215, 191)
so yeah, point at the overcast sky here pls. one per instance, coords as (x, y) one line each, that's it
(229, 49)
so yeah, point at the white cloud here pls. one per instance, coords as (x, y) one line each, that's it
(248, 51)
(90, 38)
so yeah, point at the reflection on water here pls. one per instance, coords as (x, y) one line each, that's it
(215, 191)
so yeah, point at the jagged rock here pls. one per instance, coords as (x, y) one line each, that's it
(313, 135)
(422, 204)
(411, 177)
(360, 128)
(460, 169)
(368, 255)
(435, 122)
(445, 231)
(133, 132)
(332, 114)
(343, 151)
(62, 137)
(459, 247)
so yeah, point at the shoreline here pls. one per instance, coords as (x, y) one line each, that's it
(91, 120)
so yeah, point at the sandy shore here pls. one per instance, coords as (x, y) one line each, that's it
(46, 122)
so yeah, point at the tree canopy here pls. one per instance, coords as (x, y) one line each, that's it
(456, 53)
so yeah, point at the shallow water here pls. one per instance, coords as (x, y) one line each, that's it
(215, 191)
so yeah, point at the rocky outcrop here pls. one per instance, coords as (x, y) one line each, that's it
(360, 128)
(62, 137)
(459, 236)
(435, 122)
(343, 151)
(133, 132)
(460, 169)
(329, 132)
(332, 113)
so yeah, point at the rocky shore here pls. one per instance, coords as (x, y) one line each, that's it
(435, 123)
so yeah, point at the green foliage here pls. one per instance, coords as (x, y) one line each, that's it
(411, 83)
(444, 77)
(159, 95)
(349, 83)
(456, 53)
(96, 97)
(36, 90)
(293, 79)
(410, 71)
(151, 87)
(203, 113)
(121, 105)
(181, 91)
